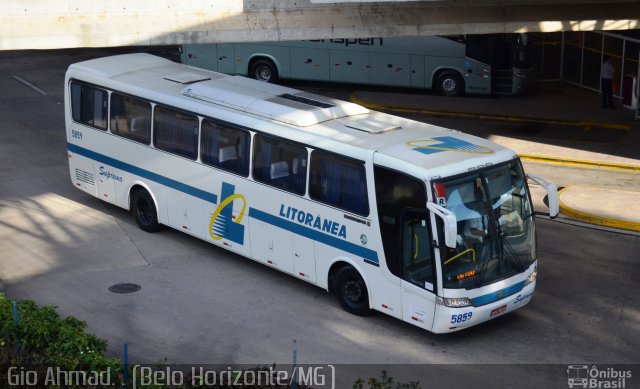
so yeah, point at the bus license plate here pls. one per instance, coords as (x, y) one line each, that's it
(498, 310)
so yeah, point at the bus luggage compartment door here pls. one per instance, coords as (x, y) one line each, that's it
(350, 66)
(271, 245)
(304, 258)
(310, 63)
(106, 180)
(417, 71)
(391, 69)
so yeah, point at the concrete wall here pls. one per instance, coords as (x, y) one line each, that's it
(42, 24)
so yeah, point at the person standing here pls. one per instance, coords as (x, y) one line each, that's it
(607, 73)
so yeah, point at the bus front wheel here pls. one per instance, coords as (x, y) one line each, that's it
(264, 70)
(449, 83)
(144, 211)
(352, 291)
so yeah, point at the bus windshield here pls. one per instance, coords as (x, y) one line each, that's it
(496, 236)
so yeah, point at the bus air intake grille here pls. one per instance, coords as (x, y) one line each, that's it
(84, 176)
(304, 100)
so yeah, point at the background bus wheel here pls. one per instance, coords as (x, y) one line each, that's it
(352, 291)
(450, 84)
(144, 211)
(264, 70)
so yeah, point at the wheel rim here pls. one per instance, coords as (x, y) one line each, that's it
(263, 73)
(449, 86)
(352, 292)
(145, 214)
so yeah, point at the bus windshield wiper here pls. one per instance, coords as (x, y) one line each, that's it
(481, 270)
(511, 254)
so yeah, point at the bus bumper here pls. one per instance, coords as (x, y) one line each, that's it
(449, 319)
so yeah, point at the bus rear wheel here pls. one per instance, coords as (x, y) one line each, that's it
(264, 70)
(144, 211)
(352, 291)
(449, 83)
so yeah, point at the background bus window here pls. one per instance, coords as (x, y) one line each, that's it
(225, 147)
(175, 132)
(131, 118)
(338, 181)
(280, 164)
(89, 105)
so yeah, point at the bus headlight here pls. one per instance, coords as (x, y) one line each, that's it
(457, 302)
(532, 277)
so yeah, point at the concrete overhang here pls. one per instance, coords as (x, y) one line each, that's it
(40, 24)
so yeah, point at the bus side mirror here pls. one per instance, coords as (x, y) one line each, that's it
(450, 223)
(552, 194)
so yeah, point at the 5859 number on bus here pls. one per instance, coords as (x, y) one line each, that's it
(461, 318)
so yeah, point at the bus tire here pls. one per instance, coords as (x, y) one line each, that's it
(264, 70)
(144, 211)
(352, 291)
(449, 83)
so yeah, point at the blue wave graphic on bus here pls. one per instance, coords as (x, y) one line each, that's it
(447, 143)
(223, 224)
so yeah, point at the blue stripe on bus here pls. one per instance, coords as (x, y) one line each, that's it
(199, 193)
(368, 254)
(495, 296)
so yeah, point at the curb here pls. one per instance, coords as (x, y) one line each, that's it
(595, 219)
(482, 116)
(581, 163)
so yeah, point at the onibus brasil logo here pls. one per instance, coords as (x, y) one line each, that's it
(447, 143)
(583, 376)
(222, 223)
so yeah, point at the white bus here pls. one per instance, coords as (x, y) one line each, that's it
(449, 65)
(423, 223)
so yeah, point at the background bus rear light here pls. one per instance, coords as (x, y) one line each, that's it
(302, 274)
(270, 262)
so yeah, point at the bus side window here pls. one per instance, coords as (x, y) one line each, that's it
(131, 118)
(175, 132)
(225, 147)
(89, 105)
(339, 182)
(280, 164)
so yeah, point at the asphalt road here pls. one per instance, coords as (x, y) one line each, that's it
(201, 304)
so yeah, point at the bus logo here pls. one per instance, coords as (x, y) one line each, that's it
(223, 224)
(447, 143)
(577, 376)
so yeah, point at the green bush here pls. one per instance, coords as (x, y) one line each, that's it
(41, 339)
(385, 382)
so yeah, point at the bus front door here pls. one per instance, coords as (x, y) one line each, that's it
(418, 270)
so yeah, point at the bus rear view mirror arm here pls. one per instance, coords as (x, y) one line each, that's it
(552, 194)
(450, 223)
